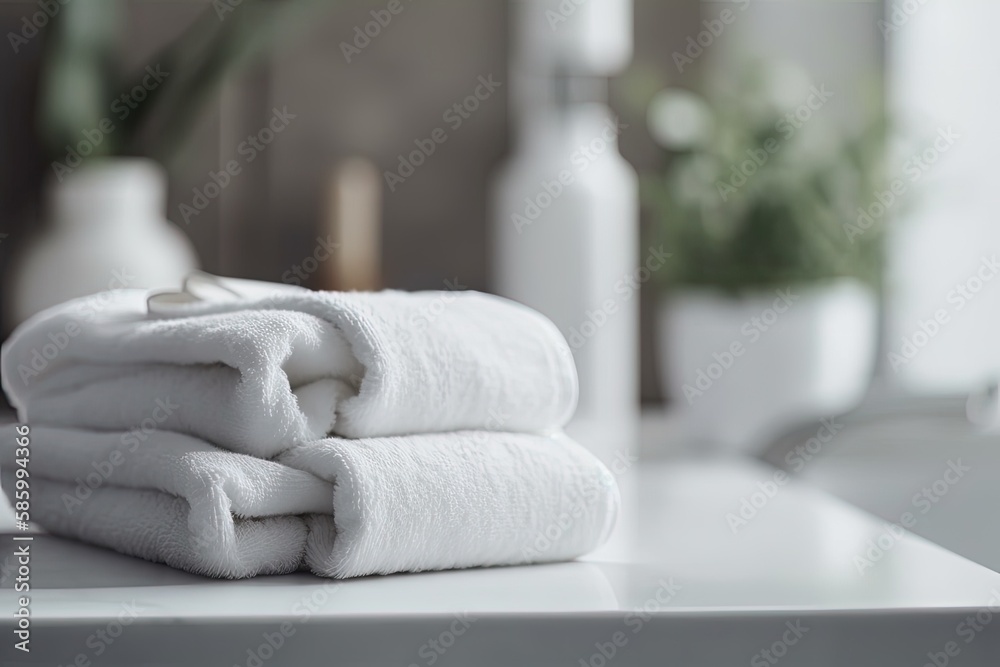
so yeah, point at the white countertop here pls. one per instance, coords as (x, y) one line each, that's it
(675, 586)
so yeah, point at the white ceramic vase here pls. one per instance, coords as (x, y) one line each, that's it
(741, 370)
(106, 230)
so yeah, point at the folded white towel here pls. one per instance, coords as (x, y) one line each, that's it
(281, 365)
(341, 508)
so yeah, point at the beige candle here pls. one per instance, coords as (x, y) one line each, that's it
(353, 221)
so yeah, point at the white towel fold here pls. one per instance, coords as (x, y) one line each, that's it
(341, 508)
(199, 424)
(275, 366)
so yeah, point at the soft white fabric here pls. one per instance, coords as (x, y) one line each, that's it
(255, 368)
(341, 508)
(449, 404)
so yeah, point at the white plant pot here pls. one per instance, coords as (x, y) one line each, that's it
(741, 370)
(106, 230)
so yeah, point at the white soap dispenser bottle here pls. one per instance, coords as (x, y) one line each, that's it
(565, 212)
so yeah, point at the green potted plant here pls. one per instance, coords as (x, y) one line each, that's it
(109, 130)
(769, 303)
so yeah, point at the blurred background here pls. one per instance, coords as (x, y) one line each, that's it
(745, 216)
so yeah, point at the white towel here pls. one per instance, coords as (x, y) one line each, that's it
(341, 508)
(271, 366)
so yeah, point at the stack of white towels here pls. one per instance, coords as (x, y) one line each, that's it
(237, 428)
